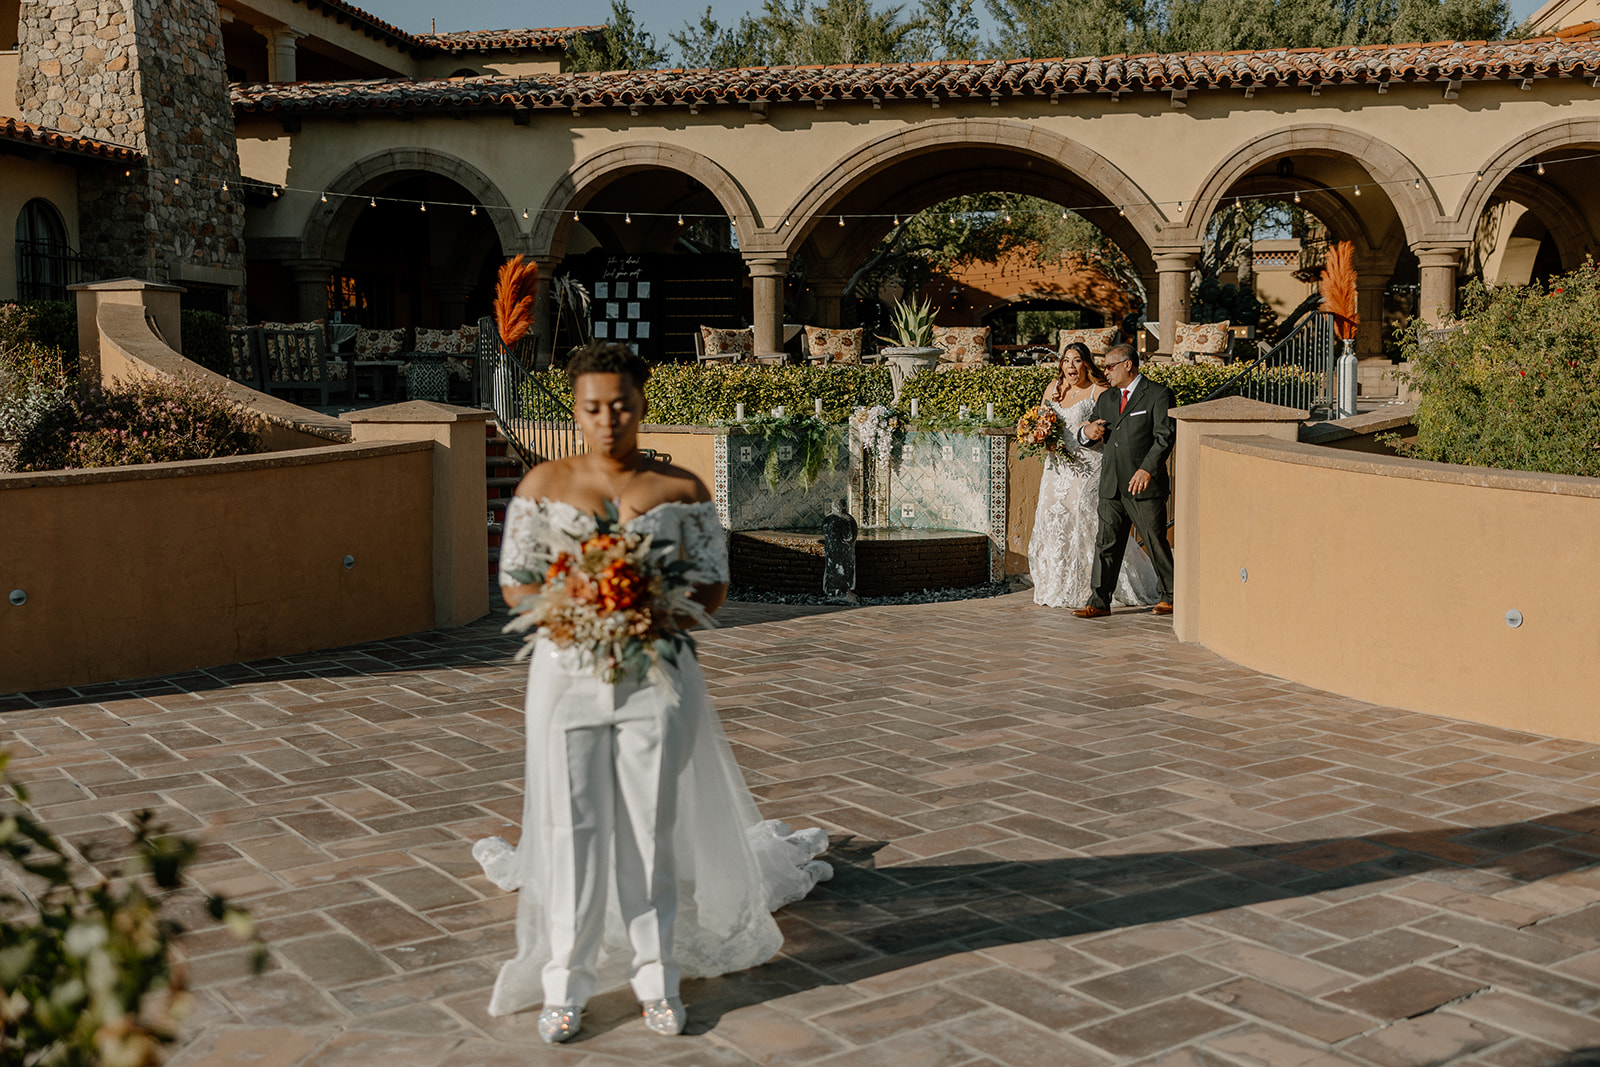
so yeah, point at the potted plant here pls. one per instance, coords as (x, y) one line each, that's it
(911, 349)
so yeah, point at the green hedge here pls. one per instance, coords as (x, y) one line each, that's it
(205, 340)
(691, 395)
(1517, 385)
(51, 324)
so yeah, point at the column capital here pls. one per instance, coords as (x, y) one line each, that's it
(766, 265)
(281, 34)
(1440, 255)
(308, 269)
(1176, 260)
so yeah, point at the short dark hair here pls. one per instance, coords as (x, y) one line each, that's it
(1116, 352)
(608, 357)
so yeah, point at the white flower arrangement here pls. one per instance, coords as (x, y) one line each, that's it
(873, 428)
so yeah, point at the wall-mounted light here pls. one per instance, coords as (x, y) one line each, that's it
(18, 597)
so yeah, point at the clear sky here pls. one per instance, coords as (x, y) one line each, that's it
(658, 16)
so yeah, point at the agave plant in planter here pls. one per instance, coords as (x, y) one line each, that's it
(911, 349)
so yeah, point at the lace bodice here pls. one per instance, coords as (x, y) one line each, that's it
(1072, 453)
(694, 528)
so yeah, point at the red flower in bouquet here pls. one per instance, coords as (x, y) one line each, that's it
(1038, 432)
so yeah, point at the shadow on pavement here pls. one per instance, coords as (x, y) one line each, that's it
(871, 921)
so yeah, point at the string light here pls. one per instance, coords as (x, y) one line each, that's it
(1358, 190)
(574, 215)
(274, 192)
(1480, 175)
(680, 218)
(1541, 167)
(1180, 207)
(1122, 211)
(371, 201)
(324, 198)
(424, 205)
(474, 209)
(841, 220)
(524, 212)
(225, 184)
(1297, 196)
(1418, 184)
(628, 217)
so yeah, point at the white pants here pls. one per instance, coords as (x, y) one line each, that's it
(612, 761)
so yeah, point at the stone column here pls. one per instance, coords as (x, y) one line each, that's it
(311, 287)
(281, 49)
(1372, 372)
(827, 299)
(544, 313)
(767, 273)
(452, 298)
(1439, 263)
(1173, 270)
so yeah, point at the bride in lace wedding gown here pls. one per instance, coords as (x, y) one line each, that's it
(1061, 549)
(642, 856)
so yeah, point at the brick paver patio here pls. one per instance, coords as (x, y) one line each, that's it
(1058, 842)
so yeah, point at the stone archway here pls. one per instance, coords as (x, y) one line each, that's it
(1393, 175)
(579, 185)
(1089, 170)
(327, 230)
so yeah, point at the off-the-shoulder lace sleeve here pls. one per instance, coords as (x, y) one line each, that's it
(519, 538)
(705, 543)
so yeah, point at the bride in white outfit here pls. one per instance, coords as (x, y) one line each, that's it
(1061, 549)
(642, 857)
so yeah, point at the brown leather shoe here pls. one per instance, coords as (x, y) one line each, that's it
(1089, 611)
(1163, 608)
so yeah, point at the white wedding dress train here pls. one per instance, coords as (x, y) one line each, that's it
(1061, 549)
(731, 869)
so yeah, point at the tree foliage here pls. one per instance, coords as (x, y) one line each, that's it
(624, 45)
(1111, 27)
(833, 32)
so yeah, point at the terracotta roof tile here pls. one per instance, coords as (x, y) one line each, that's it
(507, 40)
(1545, 57)
(372, 23)
(16, 130)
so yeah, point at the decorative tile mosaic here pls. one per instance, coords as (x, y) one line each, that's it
(719, 459)
(747, 502)
(940, 481)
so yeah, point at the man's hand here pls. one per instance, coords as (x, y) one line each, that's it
(1094, 431)
(1139, 482)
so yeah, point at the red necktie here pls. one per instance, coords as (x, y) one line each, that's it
(1124, 405)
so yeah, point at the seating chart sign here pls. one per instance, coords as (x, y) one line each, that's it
(625, 305)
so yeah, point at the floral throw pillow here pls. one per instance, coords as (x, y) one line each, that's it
(291, 354)
(834, 346)
(962, 344)
(463, 340)
(379, 344)
(1202, 339)
(1098, 340)
(738, 343)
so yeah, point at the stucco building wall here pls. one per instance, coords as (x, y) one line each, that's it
(22, 180)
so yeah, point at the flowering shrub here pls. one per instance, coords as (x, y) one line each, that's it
(33, 383)
(147, 420)
(1517, 384)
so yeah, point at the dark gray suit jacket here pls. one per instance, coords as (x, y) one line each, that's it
(1138, 438)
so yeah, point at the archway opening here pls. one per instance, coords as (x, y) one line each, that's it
(650, 257)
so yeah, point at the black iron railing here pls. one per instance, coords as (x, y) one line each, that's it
(1297, 372)
(536, 422)
(46, 268)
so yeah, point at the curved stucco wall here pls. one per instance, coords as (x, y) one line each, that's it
(1389, 580)
(166, 567)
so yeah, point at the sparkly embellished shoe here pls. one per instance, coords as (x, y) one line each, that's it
(559, 1023)
(665, 1016)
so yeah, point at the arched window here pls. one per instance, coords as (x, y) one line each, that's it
(46, 264)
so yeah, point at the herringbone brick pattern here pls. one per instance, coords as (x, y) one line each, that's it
(1058, 842)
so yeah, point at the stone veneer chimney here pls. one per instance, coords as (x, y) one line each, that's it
(150, 75)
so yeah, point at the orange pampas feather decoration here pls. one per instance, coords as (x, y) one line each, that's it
(1339, 289)
(513, 299)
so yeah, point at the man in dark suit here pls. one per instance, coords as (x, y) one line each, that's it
(1134, 419)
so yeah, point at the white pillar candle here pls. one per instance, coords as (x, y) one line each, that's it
(778, 411)
(963, 412)
(913, 407)
(988, 411)
(818, 404)
(738, 412)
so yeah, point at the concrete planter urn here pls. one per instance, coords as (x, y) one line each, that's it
(904, 362)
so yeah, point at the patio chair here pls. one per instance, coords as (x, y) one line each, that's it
(823, 345)
(1097, 340)
(244, 356)
(964, 346)
(458, 348)
(294, 361)
(1202, 342)
(714, 345)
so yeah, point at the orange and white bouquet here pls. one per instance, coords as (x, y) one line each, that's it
(1038, 432)
(623, 599)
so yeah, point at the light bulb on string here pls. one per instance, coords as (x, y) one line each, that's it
(1480, 176)
(474, 210)
(224, 186)
(1417, 184)
(1358, 190)
(1180, 207)
(371, 201)
(841, 220)
(627, 217)
(424, 205)
(574, 216)
(1297, 196)
(680, 218)
(274, 192)
(897, 220)
(1122, 211)
(177, 181)
(324, 198)
(524, 212)
(1541, 167)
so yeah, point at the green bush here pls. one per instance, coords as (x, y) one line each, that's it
(148, 420)
(50, 324)
(33, 383)
(1517, 384)
(685, 394)
(86, 957)
(205, 340)
(690, 395)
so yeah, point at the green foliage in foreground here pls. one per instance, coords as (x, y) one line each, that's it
(205, 340)
(86, 958)
(1517, 384)
(147, 420)
(47, 324)
(682, 394)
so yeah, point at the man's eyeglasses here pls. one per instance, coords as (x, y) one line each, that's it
(1114, 362)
